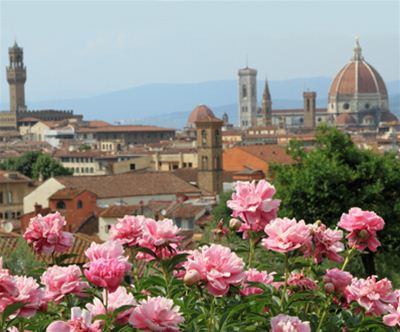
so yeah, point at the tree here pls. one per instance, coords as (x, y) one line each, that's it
(47, 167)
(335, 176)
(22, 164)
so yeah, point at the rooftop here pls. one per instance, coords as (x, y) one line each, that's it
(130, 184)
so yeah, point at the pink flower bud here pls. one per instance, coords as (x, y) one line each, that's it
(329, 287)
(191, 277)
(235, 224)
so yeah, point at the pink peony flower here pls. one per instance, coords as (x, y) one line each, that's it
(46, 235)
(156, 314)
(218, 267)
(256, 276)
(372, 295)
(106, 250)
(116, 300)
(107, 265)
(29, 294)
(80, 322)
(362, 226)
(107, 273)
(8, 288)
(284, 323)
(60, 281)
(254, 204)
(129, 229)
(393, 317)
(327, 243)
(159, 233)
(299, 280)
(286, 235)
(338, 279)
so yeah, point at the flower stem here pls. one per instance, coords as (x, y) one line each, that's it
(210, 323)
(251, 251)
(166, 278)
(286, 279)
(329, 300)
(347, 259)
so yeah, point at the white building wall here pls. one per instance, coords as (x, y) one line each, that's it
(41, 194)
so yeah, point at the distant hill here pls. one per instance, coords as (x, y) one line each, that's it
(170, 104)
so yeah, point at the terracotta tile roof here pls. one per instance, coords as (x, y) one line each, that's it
(119, 211)
(269, 153)
(130, 184)
(67, 193)
(89, 153)
(98, 124)
(13, 177)
(185, 210)
(124, 128)
(8, 242)
(190, 175)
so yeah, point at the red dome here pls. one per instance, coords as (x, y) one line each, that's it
(357, 77)
(345, 119)
(200, 113)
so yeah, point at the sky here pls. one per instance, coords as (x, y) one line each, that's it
(84, 48)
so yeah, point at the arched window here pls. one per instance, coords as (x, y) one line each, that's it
(204, 162)
(60, 205)
(79, 205)
(203, 137)
(253, 90)
(244, 91)
(308, 105)
(217, 137)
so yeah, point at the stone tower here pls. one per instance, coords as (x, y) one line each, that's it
(16, 77)
(209, 154)
(309, 109)
(247, 97)
(266, 105)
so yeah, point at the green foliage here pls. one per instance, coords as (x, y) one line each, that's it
(335, 176)
(48, 167)
(84, 147)
(22, 164)
(22, 261)
(32, 164)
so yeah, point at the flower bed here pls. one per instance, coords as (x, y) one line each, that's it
(210, 288)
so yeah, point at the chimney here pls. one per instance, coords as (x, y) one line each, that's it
(38, 208)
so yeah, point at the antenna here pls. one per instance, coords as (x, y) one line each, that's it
(247, 60)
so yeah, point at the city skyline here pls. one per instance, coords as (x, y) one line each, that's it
(70, 53)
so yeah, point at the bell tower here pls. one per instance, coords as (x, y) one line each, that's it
(247, 97)
(209, 154)
(16, 77)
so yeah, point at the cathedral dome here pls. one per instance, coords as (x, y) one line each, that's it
(199, 113)
(357, 77)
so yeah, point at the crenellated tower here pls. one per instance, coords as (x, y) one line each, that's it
(16, 77)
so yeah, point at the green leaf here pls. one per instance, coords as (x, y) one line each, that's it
(10, 309)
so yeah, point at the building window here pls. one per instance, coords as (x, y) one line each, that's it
(253, 90)
(132, 167)
(244, 91)
(108, 228)
(366, 105)
(308, 105)
(1, 197)
(60, 205)
(9, 197)
(178, 222)
(217, 137)
(91, 170)
(204, 162)
(79, 205)
(346, 106)
(203, 137)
